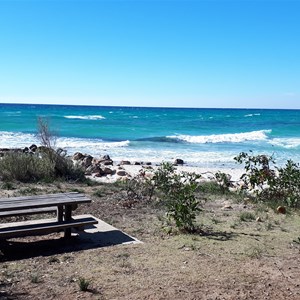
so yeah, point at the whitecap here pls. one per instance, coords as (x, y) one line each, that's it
(288, 143)
(224, 138)
(91, 117)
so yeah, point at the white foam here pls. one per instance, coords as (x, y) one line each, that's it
(251, 115)
(259, 135)
(91, 117)
(16, 139)
(287, 143)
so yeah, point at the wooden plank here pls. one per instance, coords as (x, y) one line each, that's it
(43, 228)
(31, 211)
(9, 204)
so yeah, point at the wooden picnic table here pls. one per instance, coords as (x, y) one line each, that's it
(62, 203)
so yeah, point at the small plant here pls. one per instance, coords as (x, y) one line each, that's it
(255, 252)
(7, 186)
(34, 278)
(223, 181)
(247, 216)
(83, 284)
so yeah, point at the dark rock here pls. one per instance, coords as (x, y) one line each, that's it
(178, 161)
(87, 161)
(33, 148)
(125, 162)
(121, 173)
(108, 162)
(137, 163)
(108, 171)
(77, 156)
(148, 163)
(106, 157)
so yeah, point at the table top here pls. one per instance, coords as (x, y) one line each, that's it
(35, 201)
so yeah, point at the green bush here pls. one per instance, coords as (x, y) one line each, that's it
(178, 193)
(269, 182)
(45, 166)
(25, 168)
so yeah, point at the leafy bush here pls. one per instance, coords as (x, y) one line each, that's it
(223, 181)
(178, 192)
(269, 182)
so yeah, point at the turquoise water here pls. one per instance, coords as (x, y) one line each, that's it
(202, 137)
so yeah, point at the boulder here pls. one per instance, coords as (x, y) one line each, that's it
(106, 157)
(33, 148)
(125, 162)
(121, 173)
(178, 161)
(77, 156)
(108, 171)
(87, 161)
(108, 162)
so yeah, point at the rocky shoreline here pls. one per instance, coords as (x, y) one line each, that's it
(105, 169)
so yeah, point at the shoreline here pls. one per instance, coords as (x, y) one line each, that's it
(132, 170)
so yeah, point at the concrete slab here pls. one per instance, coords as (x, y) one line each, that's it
(103, 235)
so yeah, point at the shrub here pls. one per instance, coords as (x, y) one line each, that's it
(269, 182)
(32, 168)
(25, 168)
(178, 193)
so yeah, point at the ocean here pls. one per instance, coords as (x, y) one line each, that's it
(201, 137)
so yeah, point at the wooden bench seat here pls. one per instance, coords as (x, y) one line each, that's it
(27, 228)
(32, 211)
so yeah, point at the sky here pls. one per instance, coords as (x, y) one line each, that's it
(217, 53)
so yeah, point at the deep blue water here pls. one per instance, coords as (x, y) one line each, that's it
(203, 137)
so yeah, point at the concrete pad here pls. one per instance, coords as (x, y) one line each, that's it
(103, 235)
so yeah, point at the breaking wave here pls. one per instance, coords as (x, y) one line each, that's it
(92, 117)
(259, 135)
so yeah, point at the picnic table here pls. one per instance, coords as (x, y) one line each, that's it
(62, 203)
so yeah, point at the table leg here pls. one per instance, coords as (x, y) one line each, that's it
(60, 212)
(68, 217)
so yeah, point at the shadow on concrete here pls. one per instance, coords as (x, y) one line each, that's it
(96, 236)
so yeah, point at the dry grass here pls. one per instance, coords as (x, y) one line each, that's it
(229, 258)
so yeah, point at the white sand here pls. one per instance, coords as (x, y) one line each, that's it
(134, 170)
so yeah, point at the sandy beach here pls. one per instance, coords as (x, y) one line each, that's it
(133, 170)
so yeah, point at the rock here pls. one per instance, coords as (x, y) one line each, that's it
(87, 161)
(33, 148)
(108, 171)
(94, 169)
(178, 161)
(121, 173)
(281, 210)
(148, 163)
(137, 163)
(77, 156)
(108, 162)
(125, 162)
(106, 157)
(25, 150)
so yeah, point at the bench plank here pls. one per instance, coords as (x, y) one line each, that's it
(32, 211)
(31, 228)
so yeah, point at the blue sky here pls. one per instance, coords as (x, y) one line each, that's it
(214, 53)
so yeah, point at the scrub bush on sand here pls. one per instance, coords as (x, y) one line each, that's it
(271, 183)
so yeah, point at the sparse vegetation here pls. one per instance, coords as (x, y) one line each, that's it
(83, 284)
(269, 183)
